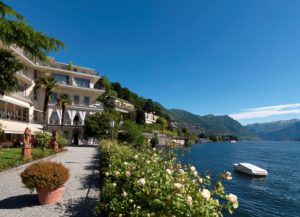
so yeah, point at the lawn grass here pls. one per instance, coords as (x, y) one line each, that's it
(11, 157)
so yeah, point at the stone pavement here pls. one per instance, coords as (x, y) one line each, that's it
(81, 190)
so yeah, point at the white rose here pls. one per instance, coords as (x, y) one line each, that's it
(125, 163)
(207, 177)
(124, 194)
(181, 171)
(205, 194)
(189, 200)
(114, 184)
(169, 171)
(141, 182)
(195, 173)
(192, 168)
(148, 161)
(117, 173)
(200, 180)
(107, 174)
(228, 175)
(232, 199)
(127, 173)
(177, 185)
(217, 202)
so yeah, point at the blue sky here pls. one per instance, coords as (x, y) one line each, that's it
(207, 57)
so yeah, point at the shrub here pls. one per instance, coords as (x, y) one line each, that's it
(152, 183)
(45, 174)
(62, 140)
(132, 134)
(154, 141)
(42, 139)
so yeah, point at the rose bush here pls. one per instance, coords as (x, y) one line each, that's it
(163, 187)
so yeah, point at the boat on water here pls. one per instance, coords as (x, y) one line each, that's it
(250, 169)
(233, 141)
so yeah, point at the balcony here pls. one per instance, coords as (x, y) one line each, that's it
(67, 122)
(13, 112)
(96, 107)
(24, 78)
(21, 95)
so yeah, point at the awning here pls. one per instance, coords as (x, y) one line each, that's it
(16, 127)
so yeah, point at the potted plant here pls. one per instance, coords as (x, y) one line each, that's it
(48, 178)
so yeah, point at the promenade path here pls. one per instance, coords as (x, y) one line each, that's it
(81, 190)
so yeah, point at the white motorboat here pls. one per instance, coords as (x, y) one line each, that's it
(250, 169)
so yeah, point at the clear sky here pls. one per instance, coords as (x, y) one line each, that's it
(207, 57)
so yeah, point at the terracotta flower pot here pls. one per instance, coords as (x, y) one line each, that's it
(48, 196)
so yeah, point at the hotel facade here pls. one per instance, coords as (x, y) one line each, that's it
(25, 108)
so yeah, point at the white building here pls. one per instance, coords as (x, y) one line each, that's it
(150, 118)
(24, 108)
(120, 105)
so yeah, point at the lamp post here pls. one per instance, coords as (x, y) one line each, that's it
(112, 125)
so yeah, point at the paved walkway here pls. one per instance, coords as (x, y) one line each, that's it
(81, 190)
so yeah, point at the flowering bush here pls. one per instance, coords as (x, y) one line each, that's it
(42, 139)
(62, 140)
(151, 183)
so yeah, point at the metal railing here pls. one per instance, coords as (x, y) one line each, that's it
(8, 115)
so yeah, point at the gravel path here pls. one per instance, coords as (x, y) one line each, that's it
(81, 190)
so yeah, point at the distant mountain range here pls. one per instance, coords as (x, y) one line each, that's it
(278, 130)
(223, 125)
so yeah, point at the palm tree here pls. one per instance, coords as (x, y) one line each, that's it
(63, 101)
(48, 83)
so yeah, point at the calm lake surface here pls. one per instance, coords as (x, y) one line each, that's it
(278, 194)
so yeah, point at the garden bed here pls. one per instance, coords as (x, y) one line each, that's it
(147, 182)
(11, 157)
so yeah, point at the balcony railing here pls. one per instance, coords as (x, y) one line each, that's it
(21, 95)
(51, 64)
(66, 122)
(11, 116)
(82, 106)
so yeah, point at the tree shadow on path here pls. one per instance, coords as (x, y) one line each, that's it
(19, 201)
(83, 207)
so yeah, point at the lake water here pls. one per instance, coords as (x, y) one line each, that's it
(278, 194)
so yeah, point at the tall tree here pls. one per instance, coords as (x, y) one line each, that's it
(15, 31)
(8, 67)
(47, 83)
(63, 101)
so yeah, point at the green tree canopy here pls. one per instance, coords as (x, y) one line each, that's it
(98, 126)
(15, 31)
(132, 134)
(8, 67)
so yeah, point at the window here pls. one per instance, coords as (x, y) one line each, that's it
(63, 79)
(34, 93)
(35, 74)
(53, 98)
(35, 115)
(76, 100)
(87, 100)
(80, 82)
